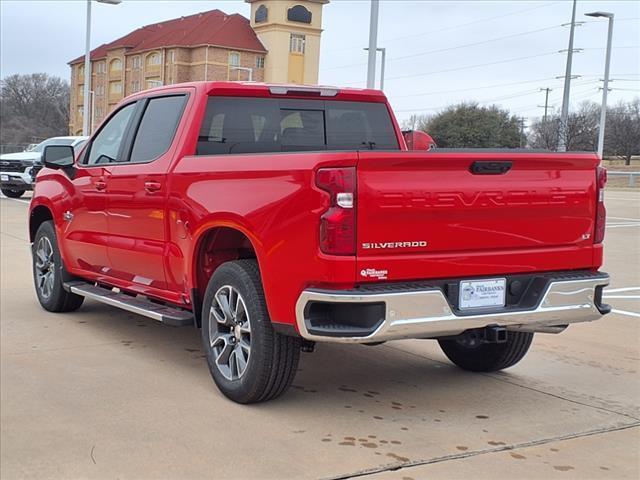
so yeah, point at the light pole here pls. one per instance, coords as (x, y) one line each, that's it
(373, 44)
(245, 69)
(87, 67)
(384, 61)
(605, 86)
(564, 115)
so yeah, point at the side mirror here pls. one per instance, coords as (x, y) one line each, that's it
(58, 156)
(418, 140)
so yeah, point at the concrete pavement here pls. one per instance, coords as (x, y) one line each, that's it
(101, 393)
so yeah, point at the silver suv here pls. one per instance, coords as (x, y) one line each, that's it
(18, 170)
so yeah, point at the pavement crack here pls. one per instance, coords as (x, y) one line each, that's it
(475, 453)
(497, 376)
(93, 459)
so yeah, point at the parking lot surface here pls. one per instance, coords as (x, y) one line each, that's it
(101, 393)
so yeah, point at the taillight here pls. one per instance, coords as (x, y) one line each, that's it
(338, 223)
(601, 212)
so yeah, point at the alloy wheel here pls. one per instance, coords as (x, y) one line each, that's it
(230, 332)
(45, 267)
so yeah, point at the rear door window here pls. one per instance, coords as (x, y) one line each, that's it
(255, 125)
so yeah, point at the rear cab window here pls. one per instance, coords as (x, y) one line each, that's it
(256, 125)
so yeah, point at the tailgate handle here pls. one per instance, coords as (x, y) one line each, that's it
(490, 168)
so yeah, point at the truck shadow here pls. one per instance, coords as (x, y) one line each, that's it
(355, 378)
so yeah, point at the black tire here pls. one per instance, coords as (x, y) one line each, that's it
(487, 357)
(58, 299)
(273, 358)
(12, 192)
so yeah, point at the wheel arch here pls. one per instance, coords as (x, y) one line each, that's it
(214, 245)
(38, 215)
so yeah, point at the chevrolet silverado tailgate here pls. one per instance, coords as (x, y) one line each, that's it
(462, 213)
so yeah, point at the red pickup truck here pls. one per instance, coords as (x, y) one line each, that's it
(277, 216)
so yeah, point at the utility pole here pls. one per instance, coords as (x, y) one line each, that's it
(564, 116)
(522, 143)
(373, 44)
(546, 102)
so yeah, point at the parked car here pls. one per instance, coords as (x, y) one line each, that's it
(418, 140)
(273, 217)
(18, 170)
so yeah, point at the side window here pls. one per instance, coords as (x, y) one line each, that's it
(239, 125)
(106, 145)
(357, 125)
(157, 128)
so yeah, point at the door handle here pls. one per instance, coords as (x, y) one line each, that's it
(490, 167)
(100, 184)
(152, 186)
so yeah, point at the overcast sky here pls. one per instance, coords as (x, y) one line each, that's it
(438, 53)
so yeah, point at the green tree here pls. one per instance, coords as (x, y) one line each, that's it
(469, 125)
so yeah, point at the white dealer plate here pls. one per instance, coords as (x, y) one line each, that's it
(4, 178)
(482, 293)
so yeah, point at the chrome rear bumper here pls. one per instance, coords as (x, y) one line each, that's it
(426, 313)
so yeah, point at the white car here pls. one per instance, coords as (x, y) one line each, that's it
(18, 170)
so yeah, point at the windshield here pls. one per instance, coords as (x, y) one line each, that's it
(52, 141)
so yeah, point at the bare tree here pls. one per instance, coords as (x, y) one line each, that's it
(415, 122)
(622, 133)
(32, 107)
(581, 131)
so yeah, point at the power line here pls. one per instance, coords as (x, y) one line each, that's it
(506, 97)
(481, 20)
(447, 49)
(488, 100)
(495, 85)
(478, 65)
(454, 27)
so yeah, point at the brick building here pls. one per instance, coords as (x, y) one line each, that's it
(281, 43)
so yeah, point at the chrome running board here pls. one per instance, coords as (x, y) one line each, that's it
(162, 313)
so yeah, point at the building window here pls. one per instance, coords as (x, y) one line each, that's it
(81, 73)
(259, 61)
(80, 112)
(296, 44)
(101, 67)
(135, 86)
(152, 83)
(81, 91)
(115, 65)
(154, 59)
(136, 63)
(100, 90)
(234, 59)
(172, 56)
(115, 88)
(299, 14)
(262, 13)
(99, 112)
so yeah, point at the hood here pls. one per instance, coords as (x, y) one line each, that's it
(21, 156)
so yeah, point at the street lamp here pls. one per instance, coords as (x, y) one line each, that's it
(605, 86)
(373, 44)
(245, 69)
(384, 58)
(87, 67)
